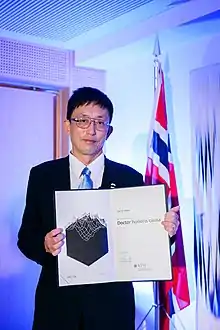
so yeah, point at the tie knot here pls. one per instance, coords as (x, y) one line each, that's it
(86, 171)
(86, 181)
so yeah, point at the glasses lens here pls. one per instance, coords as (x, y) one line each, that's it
(100, 125)
(83, 122)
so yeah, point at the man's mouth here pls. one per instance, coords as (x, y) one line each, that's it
(89, 141)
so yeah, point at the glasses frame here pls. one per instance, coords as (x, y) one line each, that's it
(76, 120)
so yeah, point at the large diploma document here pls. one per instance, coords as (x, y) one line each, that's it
(113, 235)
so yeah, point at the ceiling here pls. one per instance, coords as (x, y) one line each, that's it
(64, 20)
(94, 27)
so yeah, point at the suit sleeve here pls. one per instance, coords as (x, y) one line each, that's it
(139, 180)
(31, 234)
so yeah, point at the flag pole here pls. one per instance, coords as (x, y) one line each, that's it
(156, 289)
(156, 301)
(156, 54)
(163, 291)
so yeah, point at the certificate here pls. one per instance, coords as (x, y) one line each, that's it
(113, 235)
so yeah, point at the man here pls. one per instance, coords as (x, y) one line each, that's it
(108, 306)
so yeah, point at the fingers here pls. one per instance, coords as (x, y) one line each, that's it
(171, 224)
(170, 227)
(171, 216)
(53, 241)
(56, 239)
(175, 208)
(171, 221)
(55, 232)
(57, 248)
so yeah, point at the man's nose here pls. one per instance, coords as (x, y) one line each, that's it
(91, 129)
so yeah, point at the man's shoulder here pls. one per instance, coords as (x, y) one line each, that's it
(51, 165)
(125, 172)
(122, 167)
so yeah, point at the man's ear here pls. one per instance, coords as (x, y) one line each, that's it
(67, 126)
(110, 130)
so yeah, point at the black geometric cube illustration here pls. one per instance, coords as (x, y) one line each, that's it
(87, 239)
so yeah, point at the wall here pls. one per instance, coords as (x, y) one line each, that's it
(129, 82)
(22, 145)
(27, 113)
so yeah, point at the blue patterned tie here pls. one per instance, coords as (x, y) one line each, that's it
(86, 182)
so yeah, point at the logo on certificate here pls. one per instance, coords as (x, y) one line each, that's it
(141, 266)
(86, 239)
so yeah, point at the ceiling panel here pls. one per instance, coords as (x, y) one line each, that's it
(63, 20)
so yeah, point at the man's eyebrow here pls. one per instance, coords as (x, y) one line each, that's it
(86, 115)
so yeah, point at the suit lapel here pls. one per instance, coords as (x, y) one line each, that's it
(63, 175)
(109, 177)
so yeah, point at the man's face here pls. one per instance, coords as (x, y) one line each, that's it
(89, 141)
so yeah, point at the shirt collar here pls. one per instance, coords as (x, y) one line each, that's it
(96, 167)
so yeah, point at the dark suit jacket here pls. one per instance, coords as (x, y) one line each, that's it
(39, 218)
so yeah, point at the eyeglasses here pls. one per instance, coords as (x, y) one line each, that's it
(85, 122)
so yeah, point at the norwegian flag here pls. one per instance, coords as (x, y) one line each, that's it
(160, 169)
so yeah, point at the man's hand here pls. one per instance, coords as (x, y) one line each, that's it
(53, 241)
(171, 221)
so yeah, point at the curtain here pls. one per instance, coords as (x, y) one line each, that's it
(205, 116)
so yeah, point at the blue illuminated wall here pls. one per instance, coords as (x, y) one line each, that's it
(27, 122)
(130, 85)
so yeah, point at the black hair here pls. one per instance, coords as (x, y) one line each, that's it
(88, 95)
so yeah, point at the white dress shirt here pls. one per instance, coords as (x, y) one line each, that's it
(96, 168)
